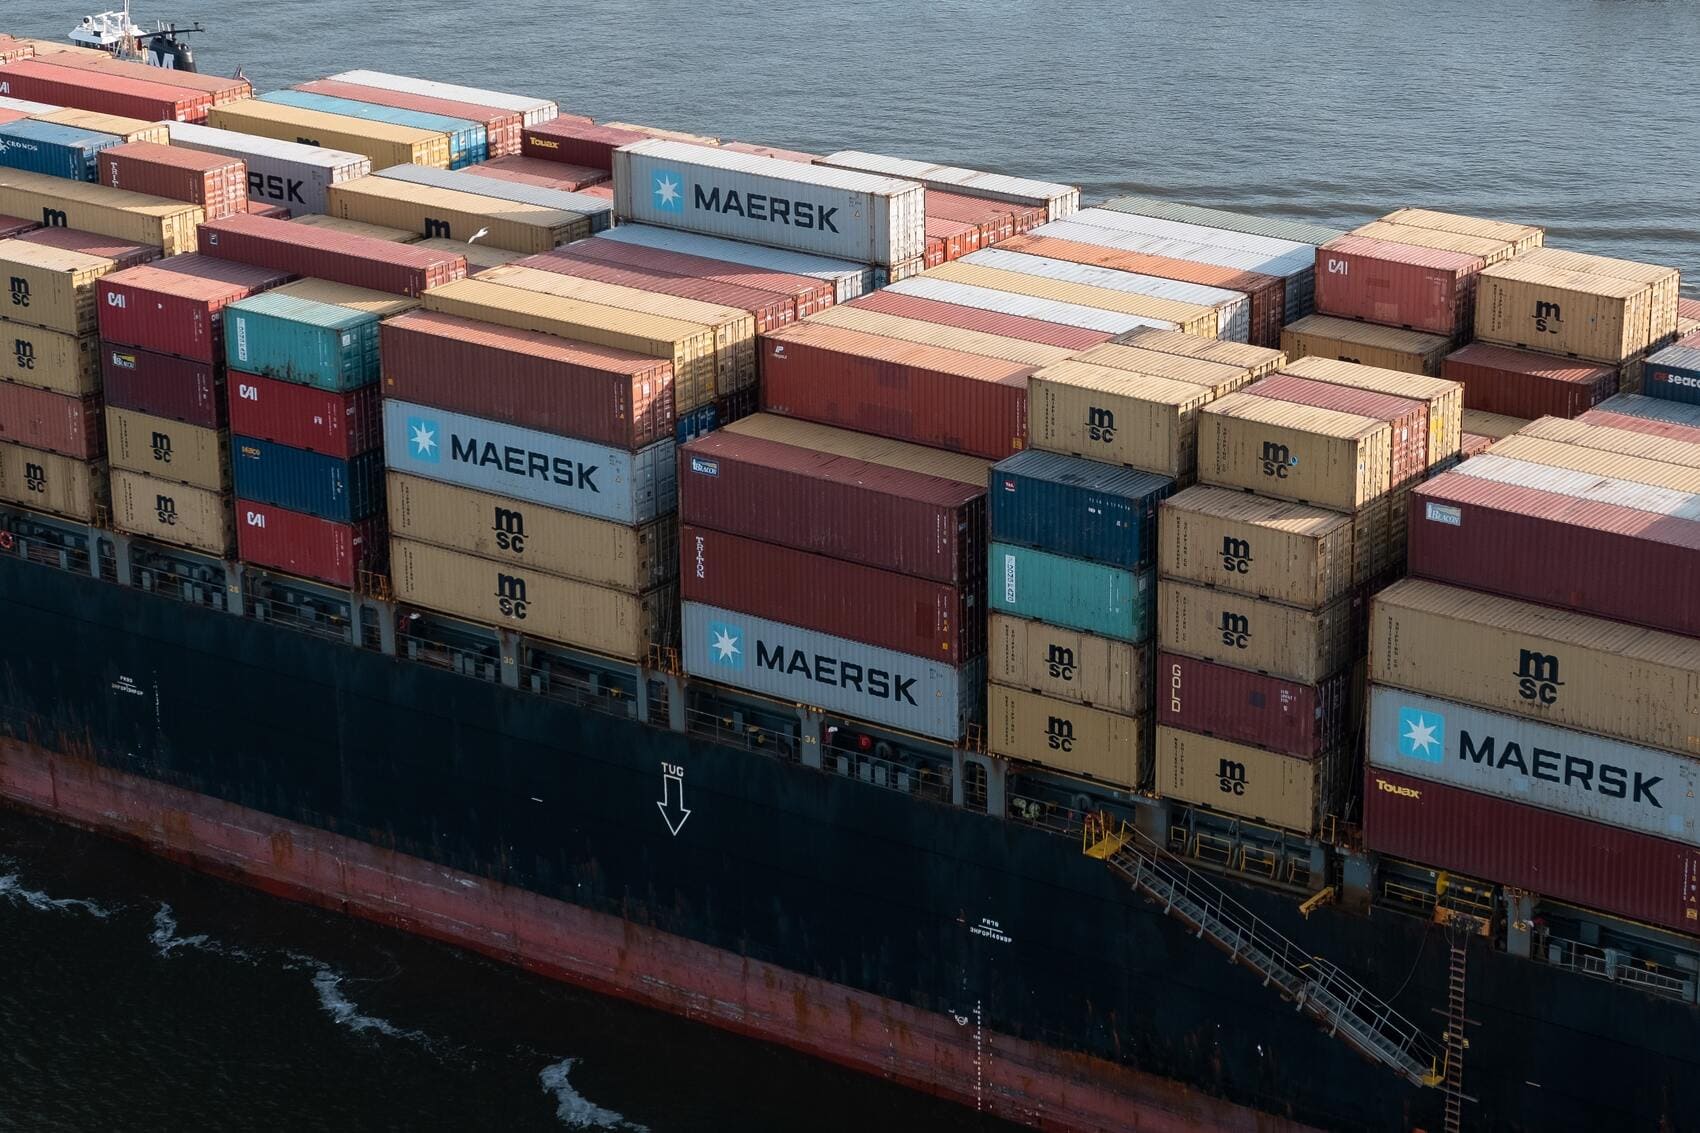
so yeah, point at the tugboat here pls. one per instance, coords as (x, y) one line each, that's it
(117, 33)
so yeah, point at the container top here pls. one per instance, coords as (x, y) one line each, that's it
(452, 108)
(1369, 334)
(121, 252)
(1347, 399)
(1491, 425)
(1193, 346)
(1078, 472)
(210, 137)
(309, 118)
(28, 106)
(893, 350)
(671, 135)
(1466, 225)
(870, 475)
(1115, 279)
(104, 79)
(1656, 408)
(383, 304)
(927, 172)
(1574, 507)
(732, 251)
(295, 309)
(959, 467)
(1678, 357)
(1398, 383)
(370, 111)
(1512, 360)
(1591, 486)
(1433, 238)
(179, 157)
(289, 232)
(30, 253)
(473, 95)
(1294, 251)
(1543, 275)
(532, 343)
(408, 189)
(201, 278)
(848, 180)
(468, 180)
(54, 133)
(1129, 383)
(1415, 255)
(928, 286)
(1259, 511)
(1292, 415)
(1294, 230)
(356, 228)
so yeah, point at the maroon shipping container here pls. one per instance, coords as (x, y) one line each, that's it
(605, 191)
(576, 142)
(973, 318)
(994, 221)
(1473, 444)
(307, 546)
(807, 292)
(286, 413)
(917, 616)
(1649, 425)
(41, 419)
(176, 306)
(1522, 383)
(966, 403)
(223, 90)
(16, 226)
(149, 382)
(771, 310)
(524, 170)
(501, 127)
(304, 249)
(1594, 558)
(909, 522)
(1545, 852)
(267, 209)
(1400, 285)
(1244, 707)
(575, 389)
(104, 91)
(217, 183)
(120, 252)
(1408, 417)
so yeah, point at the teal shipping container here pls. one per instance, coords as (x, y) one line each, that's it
(322, 345)
(1073, 593)
(469, 141)
(1077, 507)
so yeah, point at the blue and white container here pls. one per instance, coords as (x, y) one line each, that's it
(1673, 374)
(322, 345)
(1076, 507)
(291, 174)
(598, 210)
(468, 141)
(328, 487)
(1094, 598)
(48, 147)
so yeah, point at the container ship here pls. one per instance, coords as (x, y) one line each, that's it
(1117, 666)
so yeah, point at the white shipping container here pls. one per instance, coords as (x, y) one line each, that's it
(535, 110)
(848, 280)
(1602, 780)
(1233, 308)
(1030, 306)
(598, 210)
(1058, 200)
(506, 460)
(290, 174)
(25, 106)
(914, 694)
(861, 217)
(1583, 485)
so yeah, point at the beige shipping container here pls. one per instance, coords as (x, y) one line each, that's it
(130, 129)
(478, 256)
(167, 449)
(1492, 250)
(576, 613)
(430, 211)
(49, 359)
(956, 466)
(1444, 398)
(1276, 790)
(1218, 377)
(361, 228)
(1626, 442)
(1066, 664)
(524, 534)
(1294, 452)
(379, 303)
(734, 329)
(1495, 425)
(1600, 462)
(1067, 736)
(1521, 237)
(1258, 360)
(385, 144)
(51, 288)
(1391, 348)
(173, 513)
(1301, 645)
(1189, 318)
(1568, 669)
(1666, 282)
(1254, 545)
(936, 334)
(688, 346)
(1596, 317)
(168, 225)
(658, 132)
(49, 482)
(1116, 416)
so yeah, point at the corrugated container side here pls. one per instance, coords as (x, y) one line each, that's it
(1402, 285)
(1294, 452)
(336, 424)
(1076, 507)
(1250, 544)
(169, 225)
(454, 215)
(120, 127)
(1055, 199)
(1244, 707)
(169, 450)
(217, 183)
(59, 485)
(50, 360)
(1408, 419)
(1094, 598)
(177, 306)
(598, 213)
(1068, 736)
(1391, 348)
(342, 491)
(50, 288)
(848, 279)
(1550, 310)
(172, 513)
(222, 89)
(1067, 664)
(70, 426)
(355, 260)
(103, 91)
(1117, 417)
(323, 345)
(544, 174)
(307, 546)
(808, 292)
(1268, 787)
(1307, 646)
(162, 384)
(1673, 374)
(501, 127)
(576, 142)
(287, 174)
(57, 151)
(1019, 327)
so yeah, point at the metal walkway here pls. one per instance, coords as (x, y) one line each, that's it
(1342, 1005)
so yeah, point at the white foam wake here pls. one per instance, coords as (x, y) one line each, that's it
(11, 889)
(328, 983)
(165, 939)
(574, 1110)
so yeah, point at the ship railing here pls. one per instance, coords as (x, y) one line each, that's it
(1615, 966)
(557, 683)
(722, 727)
(916, 779)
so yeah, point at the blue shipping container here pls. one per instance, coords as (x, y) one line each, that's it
(598, 211)
(48, 147)
(468, 140)
(696, 423)
(322, 345)
(1077, 507)
(341, 491)
(1091, 597)
(1673, 374)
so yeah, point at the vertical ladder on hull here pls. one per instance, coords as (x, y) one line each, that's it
(1453, 1082)
(1342, 1005)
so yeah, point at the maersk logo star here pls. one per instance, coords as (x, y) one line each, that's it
(723, 645)
(669, 191)
(1422, 735)
(422, 439)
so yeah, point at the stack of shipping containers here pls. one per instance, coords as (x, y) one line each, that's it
(286, 174)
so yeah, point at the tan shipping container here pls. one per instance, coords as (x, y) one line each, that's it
(130, 129)
(1490, 249)
(1391, 348)
(1258, 360)
(1189, 318)
(1294, 452)
(49, 482)
(1495, 425)
(1596, 317)
(1066, 664)
(1599, 462)
(1568, 669)
(936, 334)
(658, 132)
(689, 347)
(431, 211)
(49, 287)
(632, 559)
(55, 201)
(1521, 237)
(1626, 442)
(478, 256)
(49, 359)
(361, 228)
(1218, 377)
(173, 513)
(575, 613)
(1444, 398)
(1276, 790)
(734, 329)
(956, 466)
(379, 303)
(1254, 545)
(1666, 282)
(385, 144)
(1301, 645)
(1067, 736)
(1116, 416)
(167, 449)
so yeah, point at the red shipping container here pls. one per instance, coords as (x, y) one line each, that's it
(307, 546)
(501, 127)
(267, 209)
(217, 183)
(1407, 416)
(286, 413)
(305, 249)
(1688, 309)
(576, 142)
(973, 318)
(16, 226)
(176, 306)
(11, 115)
(574, 389)
(1244, 707)
(954, 238)
(223, 90)
(808, 293)
(994, 219)
(524, 170)
(1522, 383)
(1651, 426)
(1594, 558)
(41, 419)
(120, 252)
(1401, 285)
(149, 382)
(103, 90)
(1551, 854)
(605, 191)
(948, 399)
(13, 49)
(916, 616)
(909, 522)
(771, 310)
(1473, 444)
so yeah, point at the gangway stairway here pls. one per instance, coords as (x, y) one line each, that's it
(1342, 1005)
